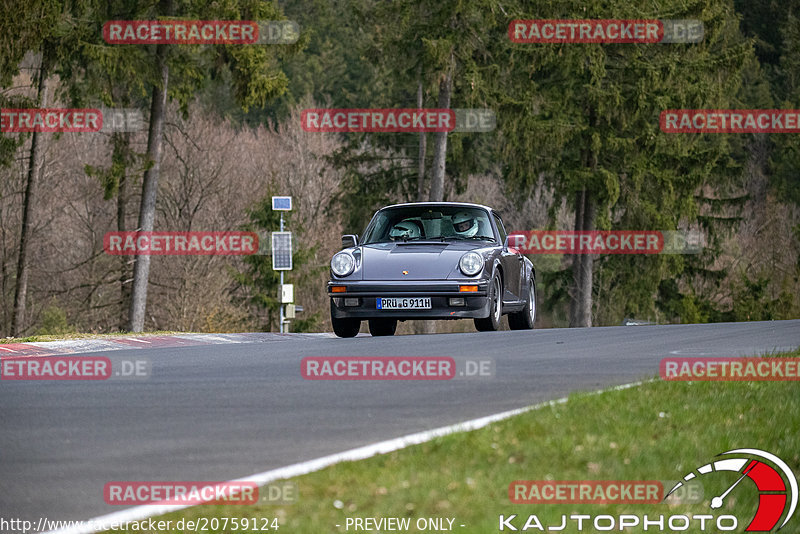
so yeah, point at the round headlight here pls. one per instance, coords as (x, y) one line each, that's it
(342, 264)
(470, 263)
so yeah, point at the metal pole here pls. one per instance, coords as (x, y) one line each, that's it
(281, 315)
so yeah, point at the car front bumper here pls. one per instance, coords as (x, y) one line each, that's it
(476, 303)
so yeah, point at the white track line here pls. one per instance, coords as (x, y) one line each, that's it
(145, 511)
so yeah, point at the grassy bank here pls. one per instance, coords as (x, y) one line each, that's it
(657, 431)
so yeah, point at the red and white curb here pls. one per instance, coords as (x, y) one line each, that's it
(81, 346)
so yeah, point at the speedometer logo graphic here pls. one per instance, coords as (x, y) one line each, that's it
(773, 494)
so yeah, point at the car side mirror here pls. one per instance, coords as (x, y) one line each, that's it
(512, 244)
(349, 240)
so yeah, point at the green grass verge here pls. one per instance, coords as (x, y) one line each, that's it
(657, 431)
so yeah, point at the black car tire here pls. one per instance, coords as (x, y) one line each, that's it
(345, 327)
(525, 319)
(382, 327)
(492, 323)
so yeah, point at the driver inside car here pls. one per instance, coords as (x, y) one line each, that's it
(465, 224)
(404, 230)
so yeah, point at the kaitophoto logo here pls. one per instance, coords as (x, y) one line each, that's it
(777, 488)
(777, 499)
(226, 32)
(606, 31)
(730, 121)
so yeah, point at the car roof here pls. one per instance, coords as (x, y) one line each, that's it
(464, 204)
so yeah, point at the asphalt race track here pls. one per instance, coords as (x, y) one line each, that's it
(219, 412)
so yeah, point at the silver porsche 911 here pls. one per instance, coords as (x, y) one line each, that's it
(430, 260)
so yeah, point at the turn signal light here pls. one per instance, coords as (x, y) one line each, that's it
(467, 289)
(338, 289)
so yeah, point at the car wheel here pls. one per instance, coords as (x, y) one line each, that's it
(525, 319)
(345, 327)
(382, 327)
(492, 323)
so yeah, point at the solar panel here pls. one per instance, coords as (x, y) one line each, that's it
(281, 251)
(282, 203)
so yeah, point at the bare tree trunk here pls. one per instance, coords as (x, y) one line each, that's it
(35, 163)
(440, 142)
(577, 262)
(423, 146)
(147, 207)
(580, 313)
(122, 144)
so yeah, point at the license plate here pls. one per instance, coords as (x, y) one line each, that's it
(404, 303)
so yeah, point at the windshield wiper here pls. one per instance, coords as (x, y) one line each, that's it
(478, 237)
(437, 239)
(422, 240)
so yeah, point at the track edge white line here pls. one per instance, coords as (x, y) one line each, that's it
(138, 513)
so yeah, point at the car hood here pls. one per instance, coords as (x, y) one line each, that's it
(422, 261)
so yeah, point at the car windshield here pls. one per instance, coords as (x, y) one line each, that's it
(429, 223)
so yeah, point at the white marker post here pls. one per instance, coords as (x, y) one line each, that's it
(281, 247)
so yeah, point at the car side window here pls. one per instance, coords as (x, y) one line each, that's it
(500, 228)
